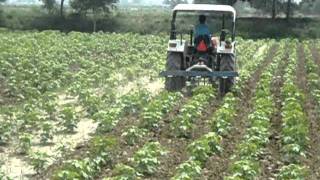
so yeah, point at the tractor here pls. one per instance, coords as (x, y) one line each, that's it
(216, 65)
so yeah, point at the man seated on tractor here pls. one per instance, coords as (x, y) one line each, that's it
(202, 28)
(202, 39)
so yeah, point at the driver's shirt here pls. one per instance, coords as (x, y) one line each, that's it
(202, 29)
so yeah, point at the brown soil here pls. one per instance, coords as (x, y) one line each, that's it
(126, 152)
(271, 160)
(177, 146)
(310, 107)
(82, 149)
(217, 166)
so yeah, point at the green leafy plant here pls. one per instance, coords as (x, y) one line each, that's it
(47, 133)
(157, 108)
(24, 144)
(107, 119)
(293, 171)
(38, 161)
(5, 133)
(182, 125)
(188, 170)
(201, 149)
(133, 135)
(245, 169)
(69, 119)
(145, 160)
(124, 172)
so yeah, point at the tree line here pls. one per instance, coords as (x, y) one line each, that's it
(273, 7)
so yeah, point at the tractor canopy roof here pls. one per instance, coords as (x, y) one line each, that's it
(205, 8)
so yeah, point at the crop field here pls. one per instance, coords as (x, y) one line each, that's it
(92, 106)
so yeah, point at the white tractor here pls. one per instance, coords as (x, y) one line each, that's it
(215, 62)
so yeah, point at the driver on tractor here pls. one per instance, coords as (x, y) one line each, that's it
(202, 28)
(202, 35)
(202, 31)
(202, 41)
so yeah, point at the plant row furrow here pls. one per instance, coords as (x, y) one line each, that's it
(245, 163)
(210, 144)
(163, 103)
(294, 134)
(187, 114)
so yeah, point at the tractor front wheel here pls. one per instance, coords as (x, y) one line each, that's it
(174, 63)
(227, 63)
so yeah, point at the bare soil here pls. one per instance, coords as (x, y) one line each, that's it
(271, 159)
(310, 108)
(177, 147)
(126, 151)
(121, 150)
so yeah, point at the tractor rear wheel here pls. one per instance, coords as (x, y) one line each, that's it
(174, 63)
(227, 63)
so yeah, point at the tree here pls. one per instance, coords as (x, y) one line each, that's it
(173, 3)
(61, 8)
(316, 7)
(288, 9)
(274, 13)
(96, 8)
(1, 12)
(226, 2)
(49, 5)
(137, 1)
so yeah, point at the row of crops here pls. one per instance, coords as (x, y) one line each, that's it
(91, 106)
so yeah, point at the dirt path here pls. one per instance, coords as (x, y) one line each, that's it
(271, 160)
(217, 166)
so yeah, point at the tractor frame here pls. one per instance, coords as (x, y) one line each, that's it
(185, 65)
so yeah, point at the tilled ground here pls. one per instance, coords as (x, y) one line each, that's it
(271, 159)
(310, 107)
(177, 146)
(217, 166)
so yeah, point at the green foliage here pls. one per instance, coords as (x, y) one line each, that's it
(94, 5)
(146, 159)
(221, 121)
(206, 146)
(245, 169)
(156, 109)
(38, 161)
(182, 124)
(69, 119)
(124, 172)
(293, 171)
(24, 144)
(173, 3)
(87, 168)
(5, 132)
(188, 170)
(50, 5)
(107, 119)
(133, 135)
(47, 132)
